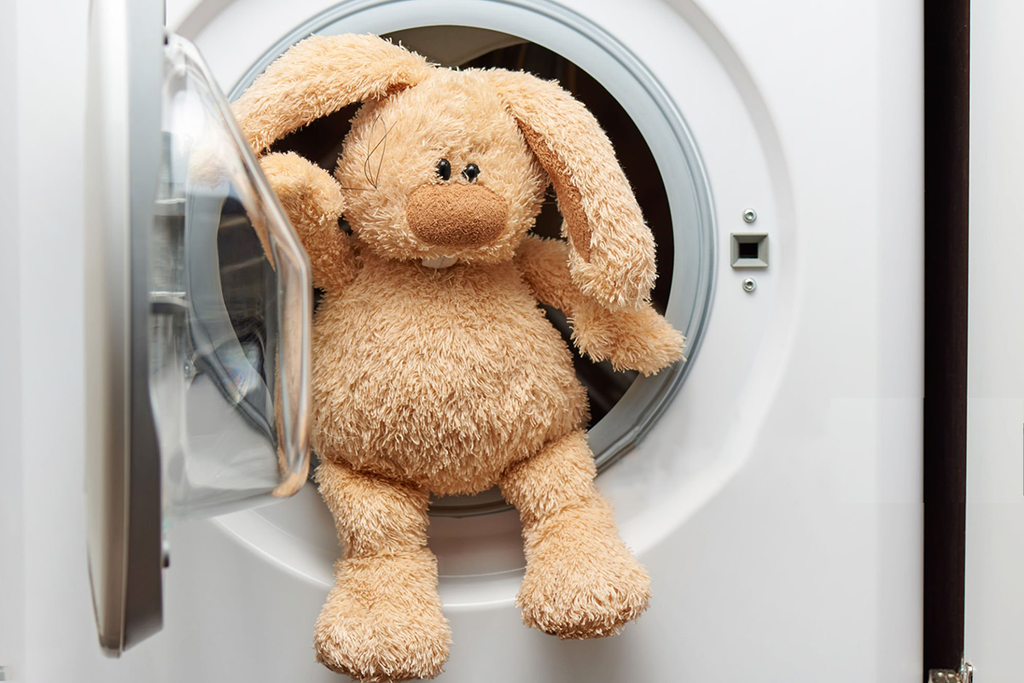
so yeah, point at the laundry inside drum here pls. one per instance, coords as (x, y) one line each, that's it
(466, 47)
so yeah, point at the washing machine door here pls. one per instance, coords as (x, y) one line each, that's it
(198, 309)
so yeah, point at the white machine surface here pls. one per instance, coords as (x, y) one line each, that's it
(995, 515)
(775, 500)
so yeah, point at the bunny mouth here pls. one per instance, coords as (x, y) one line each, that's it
(440, 262)
(456, 215)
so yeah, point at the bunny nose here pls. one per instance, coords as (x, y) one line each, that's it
(456, 215)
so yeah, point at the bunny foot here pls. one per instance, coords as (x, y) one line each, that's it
(581, 581)
(382, 622)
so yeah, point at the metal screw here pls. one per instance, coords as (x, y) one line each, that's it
(749, 215)
(749, 285)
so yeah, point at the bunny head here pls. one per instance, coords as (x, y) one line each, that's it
(451, 165)
(440, 171)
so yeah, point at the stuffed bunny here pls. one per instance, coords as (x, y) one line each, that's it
(434, 368)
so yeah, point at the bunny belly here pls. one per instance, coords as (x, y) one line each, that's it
(442, 378)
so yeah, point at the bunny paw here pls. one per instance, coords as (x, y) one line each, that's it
(640, 340)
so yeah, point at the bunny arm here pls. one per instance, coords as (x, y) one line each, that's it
(312, 200)
(632, 339)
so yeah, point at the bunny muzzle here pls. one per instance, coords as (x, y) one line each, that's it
(456, 215)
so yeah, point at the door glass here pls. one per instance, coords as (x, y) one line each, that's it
(230, 302)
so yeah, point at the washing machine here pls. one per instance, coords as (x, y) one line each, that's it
(771, 483)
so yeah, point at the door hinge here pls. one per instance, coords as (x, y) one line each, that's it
(964, 675)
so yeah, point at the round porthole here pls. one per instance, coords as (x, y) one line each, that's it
(651, 140)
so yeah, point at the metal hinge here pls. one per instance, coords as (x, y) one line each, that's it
(964, 675)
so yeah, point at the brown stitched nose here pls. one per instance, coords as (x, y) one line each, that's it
(456, 215)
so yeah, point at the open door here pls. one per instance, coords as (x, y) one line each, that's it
(198, 301)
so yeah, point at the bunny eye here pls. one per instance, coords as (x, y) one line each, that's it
(472, 172)
(444, 169)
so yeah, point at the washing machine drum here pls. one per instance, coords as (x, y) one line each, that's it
(622, 404)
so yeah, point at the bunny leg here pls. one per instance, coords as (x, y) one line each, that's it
(382, 621)
(581, 581)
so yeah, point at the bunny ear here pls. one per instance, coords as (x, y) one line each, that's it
(612, 255)
(319, 76)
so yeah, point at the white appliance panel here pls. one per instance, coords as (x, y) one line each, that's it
(777, 500)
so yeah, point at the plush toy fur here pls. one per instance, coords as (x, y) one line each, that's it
(434, 368)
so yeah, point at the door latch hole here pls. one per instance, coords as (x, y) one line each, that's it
(749, 249)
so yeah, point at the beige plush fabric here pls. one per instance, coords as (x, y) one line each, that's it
(613, 259)
(451, 380)
(319, 76)
(581, 581)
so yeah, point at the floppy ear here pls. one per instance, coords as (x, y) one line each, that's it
(612, 255)
(319, 76)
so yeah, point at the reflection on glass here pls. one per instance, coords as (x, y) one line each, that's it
(230, 303)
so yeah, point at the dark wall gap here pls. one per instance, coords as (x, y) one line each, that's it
(946, 137)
